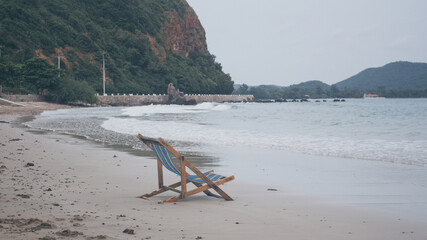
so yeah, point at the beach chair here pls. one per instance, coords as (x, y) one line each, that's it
(169, 157)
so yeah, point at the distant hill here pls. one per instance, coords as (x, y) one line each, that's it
(394, 80)
(396, 75)
(147, 44)
(311, 85)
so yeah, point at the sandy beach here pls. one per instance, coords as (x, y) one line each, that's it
(59, 187)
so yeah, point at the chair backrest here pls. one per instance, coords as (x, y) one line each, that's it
(164, 155)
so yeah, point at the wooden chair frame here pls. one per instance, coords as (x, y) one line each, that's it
(184, 164)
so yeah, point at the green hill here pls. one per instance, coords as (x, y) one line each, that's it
(397, 75)
(311, 85)
(394, 80)
(147, 44)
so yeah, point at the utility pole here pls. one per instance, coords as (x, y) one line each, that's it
(103, 75)
(59, 65)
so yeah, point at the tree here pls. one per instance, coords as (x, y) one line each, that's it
(71, 91)
(243, 89)
(260, 93)
(37, 72)
(11, 77)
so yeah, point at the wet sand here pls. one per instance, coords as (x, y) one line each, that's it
(391, 187)
(58, 187)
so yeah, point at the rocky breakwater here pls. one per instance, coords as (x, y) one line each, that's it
(131, 100)
(174, 96)
(199, 98)
(178, 97)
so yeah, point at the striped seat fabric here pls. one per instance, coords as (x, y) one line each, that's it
(167, 159)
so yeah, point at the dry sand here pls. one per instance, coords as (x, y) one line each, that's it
(59, 187)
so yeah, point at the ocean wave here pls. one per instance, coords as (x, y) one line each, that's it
(173, 109)
(407, 152)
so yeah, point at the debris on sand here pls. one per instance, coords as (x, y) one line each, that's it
(15, 140)
(23, 195)
(129, 231)
(68, 233)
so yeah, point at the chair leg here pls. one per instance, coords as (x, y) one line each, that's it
(204, 188)
(161, 190)
(209, 182)
(207, 192)
(183, 178)
(173, 199)
(220, 191)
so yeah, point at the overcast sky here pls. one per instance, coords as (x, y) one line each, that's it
(285, 42)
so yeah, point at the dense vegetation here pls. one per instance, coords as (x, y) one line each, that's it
(314, 89)
(317, 89)
(84, 31)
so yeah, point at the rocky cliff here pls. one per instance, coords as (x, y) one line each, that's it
(183, 36)
(147, 44)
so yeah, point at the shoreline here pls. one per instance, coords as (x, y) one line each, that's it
(93, 196)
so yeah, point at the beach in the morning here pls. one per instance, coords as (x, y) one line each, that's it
(75, 172)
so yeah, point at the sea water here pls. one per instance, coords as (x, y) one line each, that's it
(390, 130)
(370, 152)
